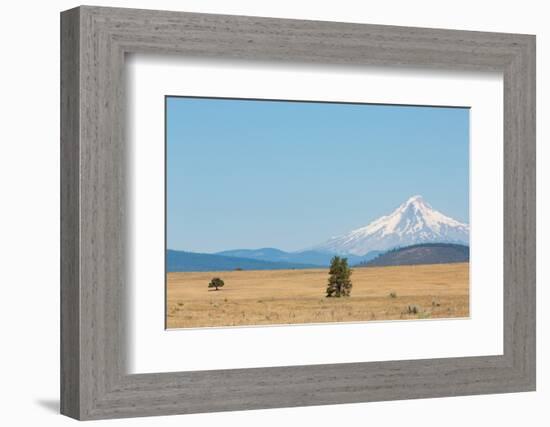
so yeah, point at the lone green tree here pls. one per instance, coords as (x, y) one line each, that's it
(216, 282)
(339, 282)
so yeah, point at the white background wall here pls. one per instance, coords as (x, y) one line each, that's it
(29, 213)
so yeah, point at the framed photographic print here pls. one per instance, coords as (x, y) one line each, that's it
(347, 210)
(254, 189)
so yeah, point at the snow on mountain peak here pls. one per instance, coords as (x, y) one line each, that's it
(417, 198)
(413, 222)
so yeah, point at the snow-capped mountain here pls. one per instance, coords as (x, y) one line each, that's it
(415, 221)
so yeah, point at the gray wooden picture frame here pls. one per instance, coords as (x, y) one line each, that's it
(94, 381)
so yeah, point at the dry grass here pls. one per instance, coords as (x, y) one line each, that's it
(298, 296)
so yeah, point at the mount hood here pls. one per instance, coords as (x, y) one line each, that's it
(413, 222)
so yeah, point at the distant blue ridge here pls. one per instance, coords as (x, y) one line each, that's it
(276, 259)
(191, 261)
(315, 257)
(253, 259)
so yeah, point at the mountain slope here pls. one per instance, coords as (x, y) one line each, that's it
(192, 261)
(427, 253)
(413, 222)
(318, 258)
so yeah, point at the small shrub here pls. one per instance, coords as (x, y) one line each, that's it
(238, 269)
(412, 309)
(393, 295)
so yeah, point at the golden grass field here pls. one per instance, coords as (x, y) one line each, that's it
(298, 296)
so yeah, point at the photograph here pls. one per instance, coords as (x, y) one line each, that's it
(292, 212)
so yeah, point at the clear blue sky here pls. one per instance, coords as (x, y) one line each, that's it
(252, 174)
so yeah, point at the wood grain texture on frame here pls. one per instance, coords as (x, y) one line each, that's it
(94, 380)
